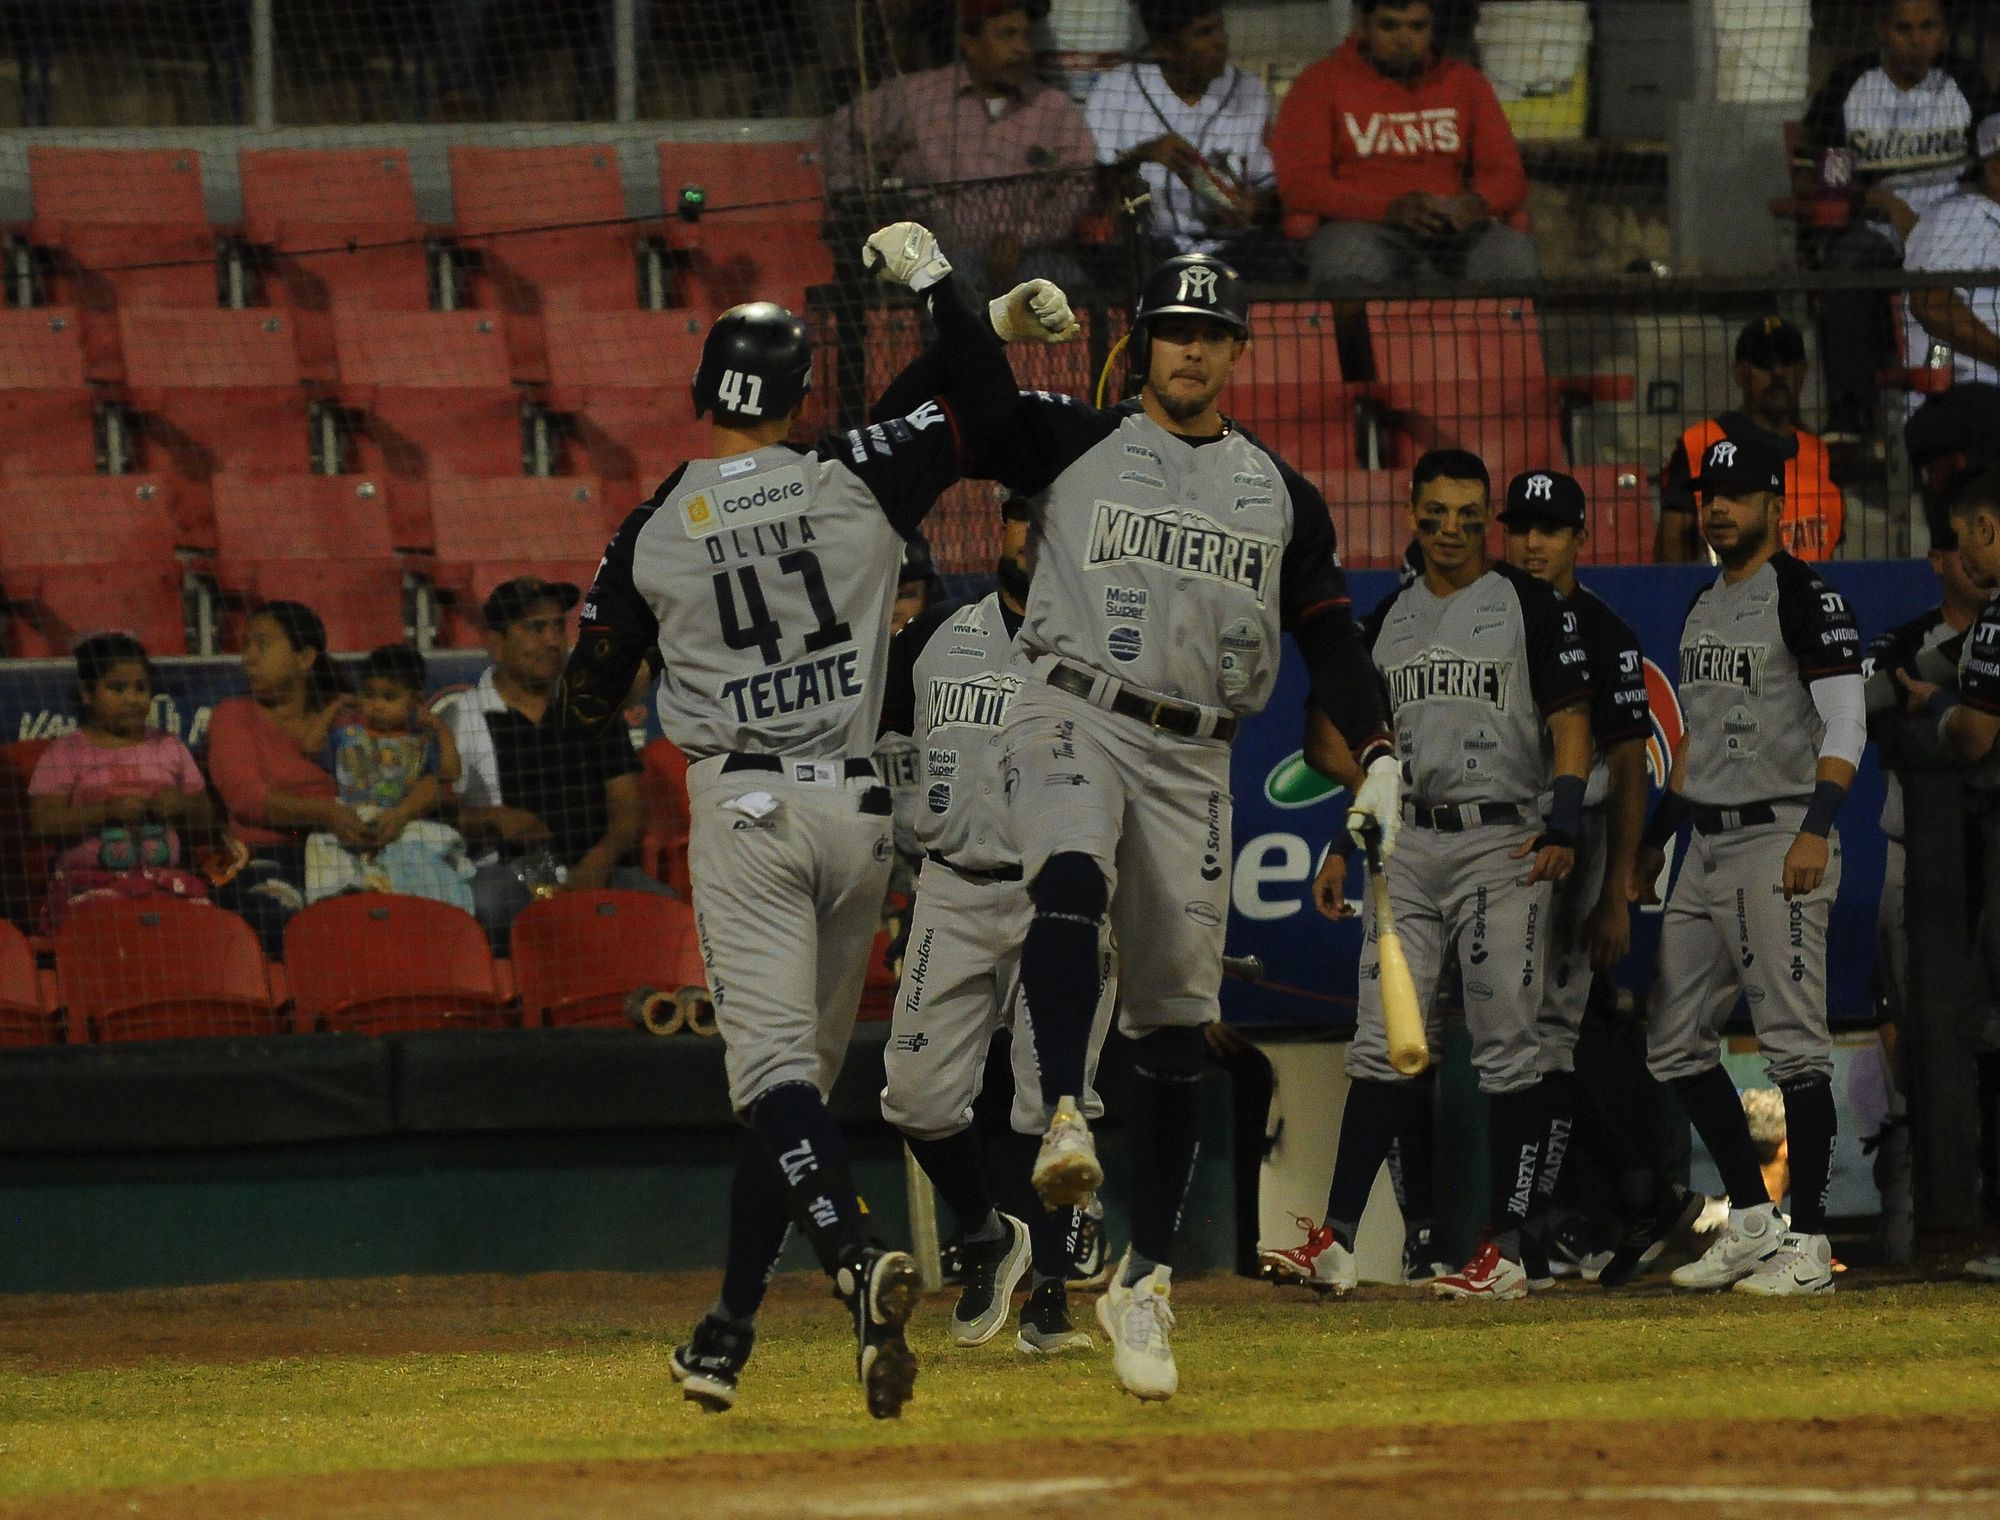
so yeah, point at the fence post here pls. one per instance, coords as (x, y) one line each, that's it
(263, 66)
(625, 51)
(1939, 1076)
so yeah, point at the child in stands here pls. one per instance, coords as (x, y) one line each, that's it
(391, 763)
(123, 799)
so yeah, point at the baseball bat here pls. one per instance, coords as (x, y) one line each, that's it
(1403, 1021)
(1244, 968)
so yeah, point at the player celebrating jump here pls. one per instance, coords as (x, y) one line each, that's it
(1486, 682)
(1174, 549)
(1770, 681)
(768, 572)
(951, 678)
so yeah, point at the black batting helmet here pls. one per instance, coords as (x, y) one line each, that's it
(756, 364)
(1193, 285)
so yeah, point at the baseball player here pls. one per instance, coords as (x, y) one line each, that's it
(1770, 682)
(951, 678)
(769, 572)
(1174, 550)
(1546, 522)
(1488, 687)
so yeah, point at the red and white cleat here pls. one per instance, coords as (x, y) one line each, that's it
(1489, 1275)
(1322, 1263)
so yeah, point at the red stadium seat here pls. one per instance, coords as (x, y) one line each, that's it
(641, 436)
(731, 260)
(219, 390)
(549, 225)
(90, 552)
(579, 955)
(322, 539)
(376, 964)
(591, 351)
(1371, 520)
(765, 181)
(168, 348)
(162, 969)
(491, 530)
(24, 859)
(47, 413)
(435, 391)
(445, 350)
(663, 774)
(26, 1017)
(1621, 515)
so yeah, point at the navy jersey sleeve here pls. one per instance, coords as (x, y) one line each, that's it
(1558, 669)
(899, 693)
(1979, 673)
(1310, 578)
(1815, 622)
(1043, 436)
(1618, 707)
(616, 630)
(1314, 606)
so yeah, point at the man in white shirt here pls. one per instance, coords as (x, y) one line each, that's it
(1961, 232)
(1193, 126)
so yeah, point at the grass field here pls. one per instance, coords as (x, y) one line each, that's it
(306, 1399)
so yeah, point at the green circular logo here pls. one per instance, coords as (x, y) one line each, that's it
(1294, 784)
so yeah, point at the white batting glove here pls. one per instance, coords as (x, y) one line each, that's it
(1034, 309)
(907, 253)
(1379, 804)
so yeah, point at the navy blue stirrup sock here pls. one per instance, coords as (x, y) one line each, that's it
(811, 1157)
(1059, 969)
(759, 1217)
(1164, 1125)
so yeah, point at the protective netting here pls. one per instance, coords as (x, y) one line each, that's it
(378, 308)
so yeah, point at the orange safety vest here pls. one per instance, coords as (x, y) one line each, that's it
(1815, 512)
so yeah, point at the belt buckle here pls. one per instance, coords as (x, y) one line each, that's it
(1159, 709)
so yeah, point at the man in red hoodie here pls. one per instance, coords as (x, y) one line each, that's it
(1397, 162)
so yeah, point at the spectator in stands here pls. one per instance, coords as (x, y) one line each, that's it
(1194, 127)
(1397, 163)
(123, 799)
(1960, 326)
(1905, 112)
(547, 810)
(391, 762)
(995, 162)
(264, 754)
(1770, 373)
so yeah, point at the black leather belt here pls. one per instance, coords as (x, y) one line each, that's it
(1453, 817)
(742, 760)
(1182, 718)
(998, 873)
(1710, 820)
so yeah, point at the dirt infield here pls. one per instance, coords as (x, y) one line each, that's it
(1157, 1461)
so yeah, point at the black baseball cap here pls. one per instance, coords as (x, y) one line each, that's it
(1769, 342)
(1544, 496)
(513, 600)
(1741, 463)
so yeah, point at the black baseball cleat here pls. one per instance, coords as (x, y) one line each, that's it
(708, 1366)
(1046, 1327)
(993, 1269)
(1089, 1252)
(1535, 1262)
(1642, 1242)
(882, 1289)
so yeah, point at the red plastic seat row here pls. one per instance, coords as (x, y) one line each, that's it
(367, 963)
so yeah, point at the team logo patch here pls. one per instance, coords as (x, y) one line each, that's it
(973, 701)
(938, 798)
(1442, 674)
(1125, 644)
(754, 499)
(1126, 602)
(1184, 540)
(1710, 661)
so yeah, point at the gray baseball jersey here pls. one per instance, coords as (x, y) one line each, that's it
(1470, 677)
(951, 678)
(1170, 563)
(1749, 655)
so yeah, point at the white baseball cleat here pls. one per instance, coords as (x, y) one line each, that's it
(1322, 1263)
(1067, 1171)
(1752, 1237)
(1802, 1264)
(1137, 1321)
(1984, 1267)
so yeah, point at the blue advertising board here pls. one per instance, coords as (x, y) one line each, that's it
(1284, 816)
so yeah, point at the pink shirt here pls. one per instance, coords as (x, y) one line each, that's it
(251, 756)
(82, 773)
(934, 128)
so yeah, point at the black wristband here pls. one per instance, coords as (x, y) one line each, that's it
(1826, 800)
(1566, 807)
(1558, 839)
(1666, 821)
